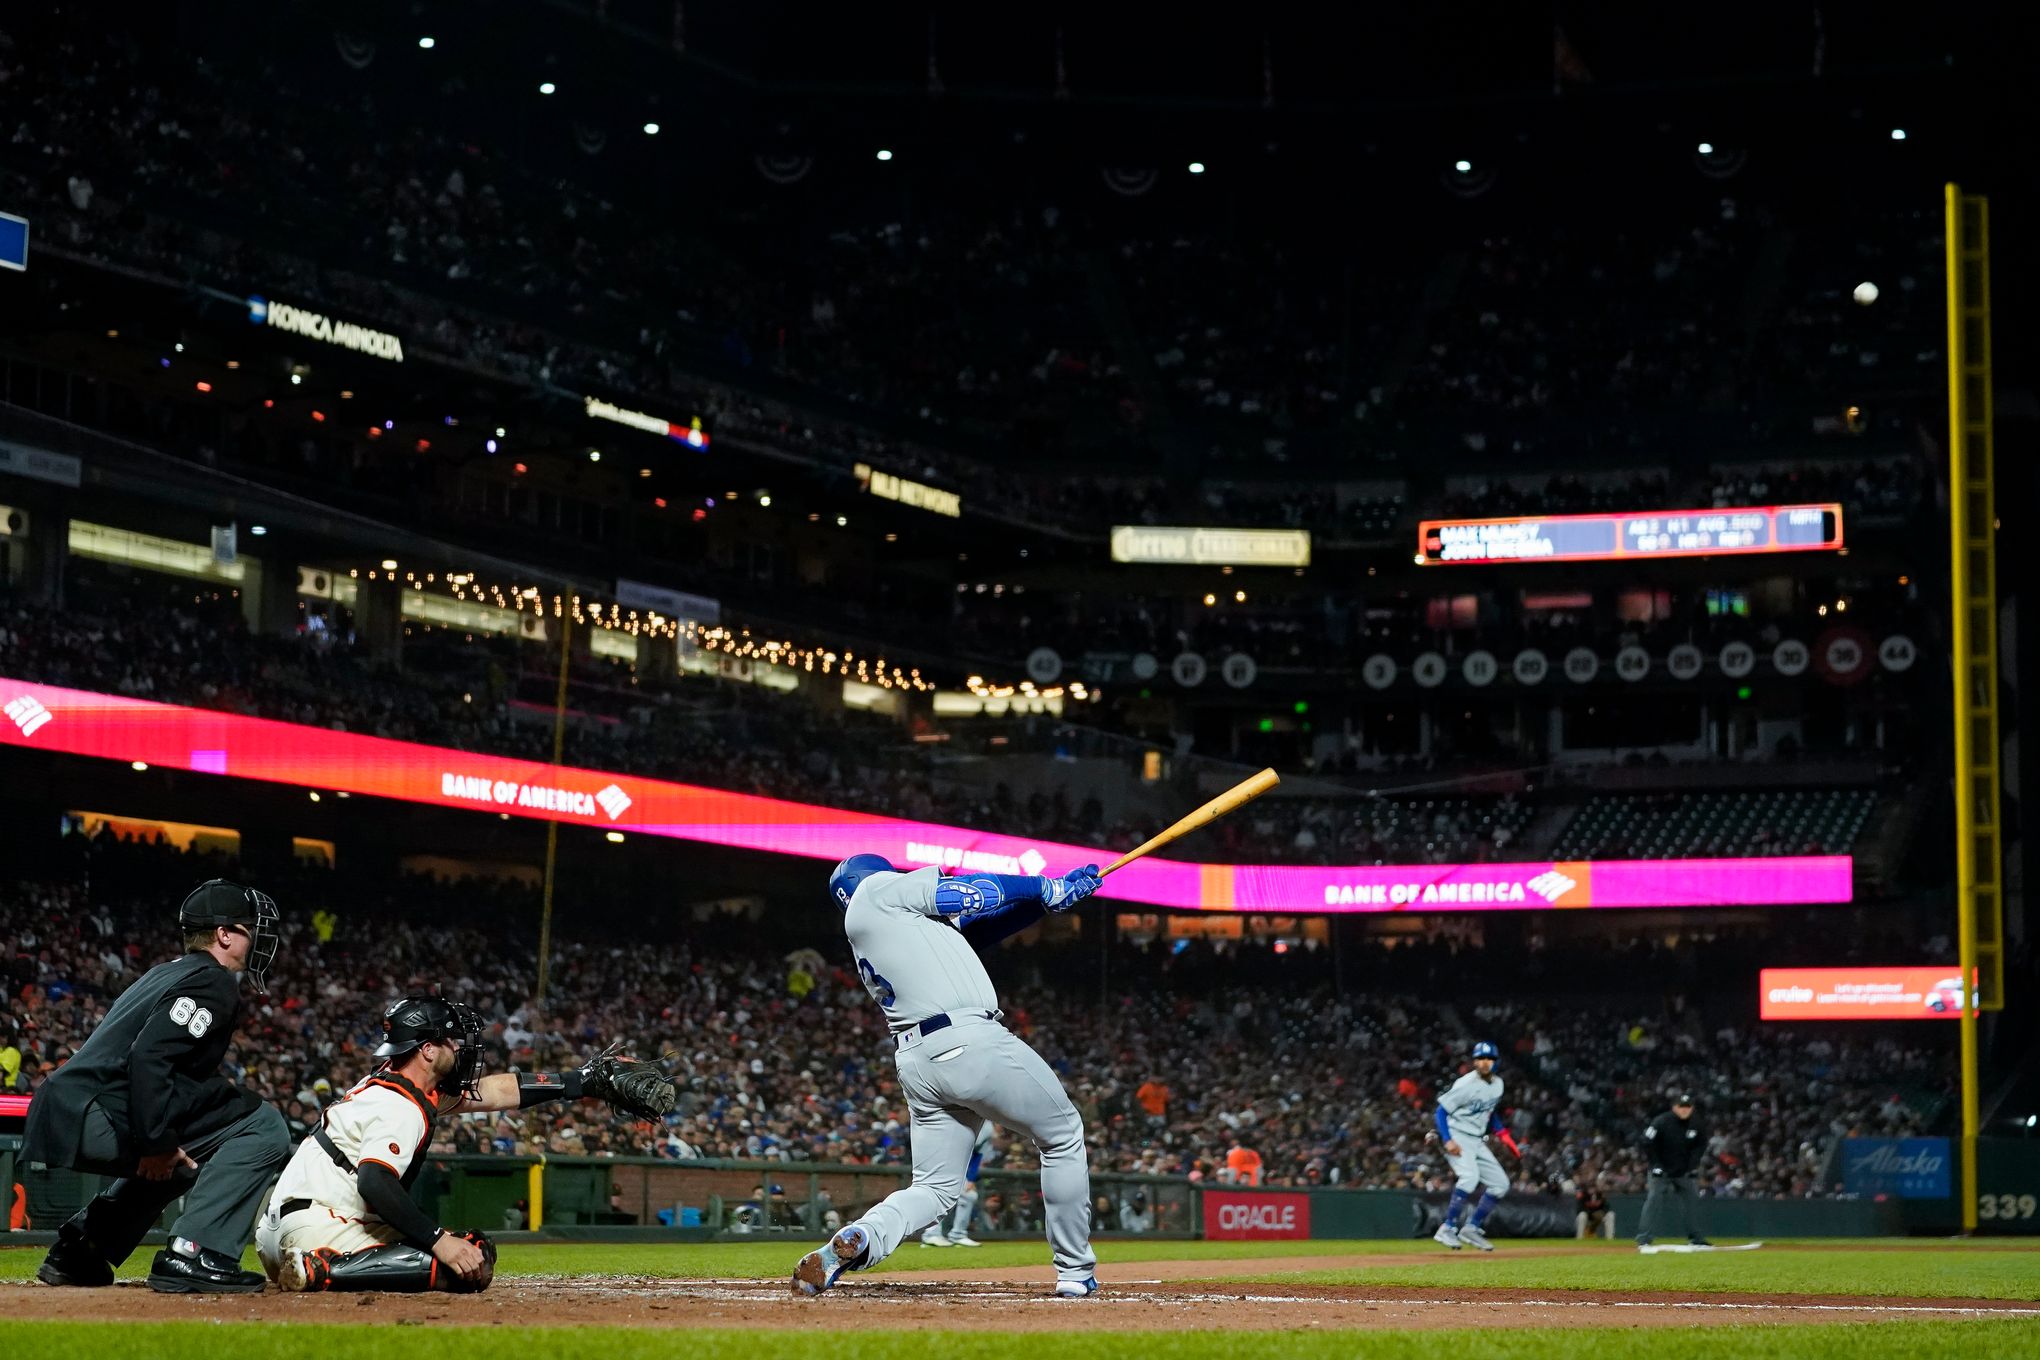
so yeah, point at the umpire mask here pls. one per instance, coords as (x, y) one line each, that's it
(217, 902)
(410, 1022)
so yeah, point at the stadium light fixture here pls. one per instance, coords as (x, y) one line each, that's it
(313, 794)
(546, 87)
(427, 44)
(651, 129)
(594, 455)
(389, 564)
(258, 529)
(180, 347)
(613, 837)
(138, 765)
(1898, 134)
(1463, 167)
(1705, 148)
(884, 154)
(296, 378)
(1197, 167)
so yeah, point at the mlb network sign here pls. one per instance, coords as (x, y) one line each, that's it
(1240, 1216)
(1908, 1168)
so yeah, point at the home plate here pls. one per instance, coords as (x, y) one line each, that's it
(1653, 1249)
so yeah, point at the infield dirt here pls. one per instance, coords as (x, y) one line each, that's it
(1138, 1296)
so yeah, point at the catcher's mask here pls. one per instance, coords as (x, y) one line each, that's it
(413, 1021)
(216, 902)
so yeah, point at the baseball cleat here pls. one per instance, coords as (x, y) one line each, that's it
(1474, 1237)
(303, 1272)
(960, 1240)
(934, 1238)
(819, 1269)
(1076, 1289)
(1448, 1235)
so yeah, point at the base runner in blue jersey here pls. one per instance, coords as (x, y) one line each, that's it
(915, 937)
(1468, 1111)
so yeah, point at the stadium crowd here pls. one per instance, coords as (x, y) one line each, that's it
(1327, 1074)
(943, 346)
(464, 693)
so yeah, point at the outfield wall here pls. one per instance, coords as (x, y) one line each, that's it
(654, 1199)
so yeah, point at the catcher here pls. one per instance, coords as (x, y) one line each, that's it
(342, 1216)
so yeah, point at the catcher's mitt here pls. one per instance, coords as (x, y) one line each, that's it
(628, 1085)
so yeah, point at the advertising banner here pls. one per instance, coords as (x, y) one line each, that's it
(1904, 1168)
(1932, 992)
(1243, 1215)
(1195, 547)
(113, 727)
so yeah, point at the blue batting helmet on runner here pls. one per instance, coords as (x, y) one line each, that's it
(853, 871)
(1484, 1049)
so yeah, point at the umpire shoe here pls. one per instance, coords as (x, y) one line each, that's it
(1474, 1237)
(820, 1269)
(76, 1264)
(184, 1267)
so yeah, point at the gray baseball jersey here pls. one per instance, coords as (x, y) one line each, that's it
(1467, 1104)
(964, 1077)
(913, 960)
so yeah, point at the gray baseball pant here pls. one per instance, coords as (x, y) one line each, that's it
(956, 1079)
(1658, 1203)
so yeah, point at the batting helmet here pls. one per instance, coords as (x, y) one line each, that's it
(853, 871)
(1484, 1049)
(216, 902)
(410, 1022)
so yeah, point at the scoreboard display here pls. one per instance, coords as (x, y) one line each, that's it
(1653, 533)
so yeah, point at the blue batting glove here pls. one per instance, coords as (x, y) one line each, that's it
(1060, 894)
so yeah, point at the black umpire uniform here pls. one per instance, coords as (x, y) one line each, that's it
(144, 1093)
(1674, 1142)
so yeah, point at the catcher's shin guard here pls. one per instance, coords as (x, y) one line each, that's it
(395, 1269)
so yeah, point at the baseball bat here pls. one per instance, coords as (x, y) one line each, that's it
(1239, 795)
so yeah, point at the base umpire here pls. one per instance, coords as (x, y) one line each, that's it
(1674, 1141)
(144, 1101)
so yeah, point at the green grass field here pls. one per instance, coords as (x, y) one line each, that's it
(2001, 1269)
(202, 1341)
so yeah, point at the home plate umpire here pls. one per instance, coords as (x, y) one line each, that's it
(143, 1100)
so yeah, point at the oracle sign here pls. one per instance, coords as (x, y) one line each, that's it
(1233, 1215)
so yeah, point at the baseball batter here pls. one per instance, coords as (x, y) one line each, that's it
(1468, 1111)
(966, 1203)
(915, 936)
